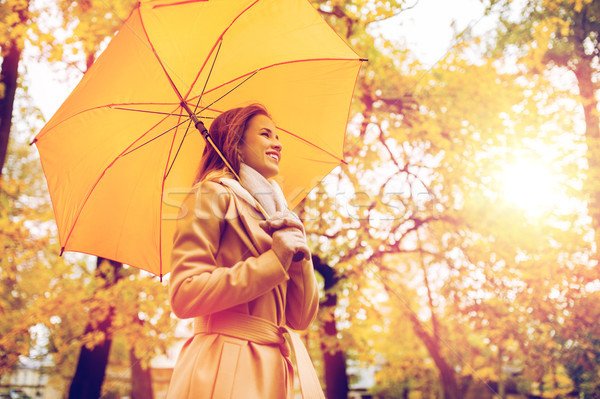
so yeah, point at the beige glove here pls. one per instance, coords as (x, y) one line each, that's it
(289, 241)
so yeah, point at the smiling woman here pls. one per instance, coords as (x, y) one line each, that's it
(238, 275)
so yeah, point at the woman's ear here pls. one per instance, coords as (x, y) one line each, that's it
(239, 154)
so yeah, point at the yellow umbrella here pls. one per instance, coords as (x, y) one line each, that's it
(119, 154)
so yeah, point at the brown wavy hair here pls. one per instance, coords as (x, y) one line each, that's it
(227, 130)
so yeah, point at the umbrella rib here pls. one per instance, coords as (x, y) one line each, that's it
(146, 111)
(336, 162)
(185, 135)
(162, 190)
(208, 77)
(280, 64)
(87, 197)
(179, 148)
(158, 59)
(152, 139)
(162, 134)
(219, 39)
(112, 106)
(167, 131)
(178, 3)
(238, 85)
(312, 145)
(251, 74)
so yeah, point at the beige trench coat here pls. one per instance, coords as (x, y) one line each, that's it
(223, 262)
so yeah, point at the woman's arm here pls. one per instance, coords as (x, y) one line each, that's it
(198, 285)
(302, 301)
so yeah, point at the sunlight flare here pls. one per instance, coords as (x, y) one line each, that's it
(529, 186)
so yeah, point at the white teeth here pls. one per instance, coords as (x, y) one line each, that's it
(275, 157)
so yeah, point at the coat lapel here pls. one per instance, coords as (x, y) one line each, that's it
(244, 219)
(248, 229)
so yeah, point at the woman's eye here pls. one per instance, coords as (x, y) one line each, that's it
(265, 134)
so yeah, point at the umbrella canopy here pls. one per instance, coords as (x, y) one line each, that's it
(119, 154)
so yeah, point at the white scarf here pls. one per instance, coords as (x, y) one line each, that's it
(254, 187)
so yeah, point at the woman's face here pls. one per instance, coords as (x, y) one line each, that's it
(260, 147)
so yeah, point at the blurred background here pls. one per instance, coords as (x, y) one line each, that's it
(457, 250)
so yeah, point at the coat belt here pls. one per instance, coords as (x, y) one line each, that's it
(263, 332)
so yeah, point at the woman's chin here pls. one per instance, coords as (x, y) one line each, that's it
(270, 173)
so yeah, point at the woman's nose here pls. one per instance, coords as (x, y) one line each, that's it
(277, 145)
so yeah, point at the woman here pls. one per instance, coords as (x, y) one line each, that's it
(236, 273)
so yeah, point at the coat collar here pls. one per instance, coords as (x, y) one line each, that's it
(253, 188)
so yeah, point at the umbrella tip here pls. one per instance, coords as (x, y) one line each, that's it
(61, 251)
(364, 59)
(33, 141)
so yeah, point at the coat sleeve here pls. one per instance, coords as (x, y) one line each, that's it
(302, 301)
(198, 285)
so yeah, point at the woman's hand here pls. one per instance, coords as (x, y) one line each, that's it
(289, 241)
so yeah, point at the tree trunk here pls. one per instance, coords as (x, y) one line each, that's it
(432, 340)
(91, 366)
(336, 378)
(141, 379)
(447, 373)
(10, 67)
(583, 71)
(8, 79)
(448, 378)
(501, 383)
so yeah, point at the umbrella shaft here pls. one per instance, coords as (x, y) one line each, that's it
(202, 129)
(197, 122)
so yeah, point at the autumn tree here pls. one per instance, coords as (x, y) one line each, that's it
(23, 250)
(421, 208)
(31, 262)
(392, 146)
(563, 36)
(434, 273)
(16, 18)
(559, 41)
(96, 22)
